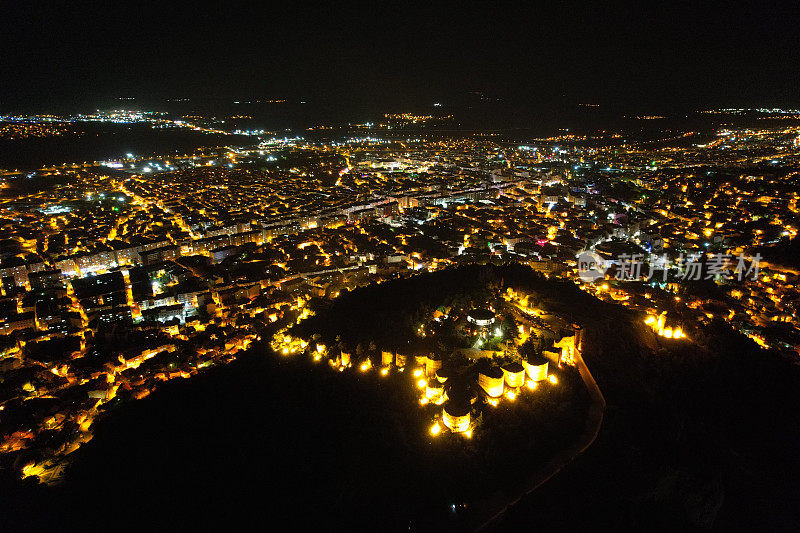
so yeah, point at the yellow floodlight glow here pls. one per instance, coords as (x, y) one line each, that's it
(436, 429)
(552, 379)
(531, 384)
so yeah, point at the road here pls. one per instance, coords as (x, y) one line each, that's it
(494, 508)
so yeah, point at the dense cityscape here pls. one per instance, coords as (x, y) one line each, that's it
(122, 274)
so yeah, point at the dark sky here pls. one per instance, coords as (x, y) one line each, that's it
(668, 56)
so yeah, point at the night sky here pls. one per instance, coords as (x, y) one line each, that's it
(665, 57)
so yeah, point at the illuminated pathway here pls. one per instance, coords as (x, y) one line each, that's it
(490, 510)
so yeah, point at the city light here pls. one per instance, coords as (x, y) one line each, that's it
(491, 261)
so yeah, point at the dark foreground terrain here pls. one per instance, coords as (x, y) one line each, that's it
(277, 440)
(701, 439)
(696, 436)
